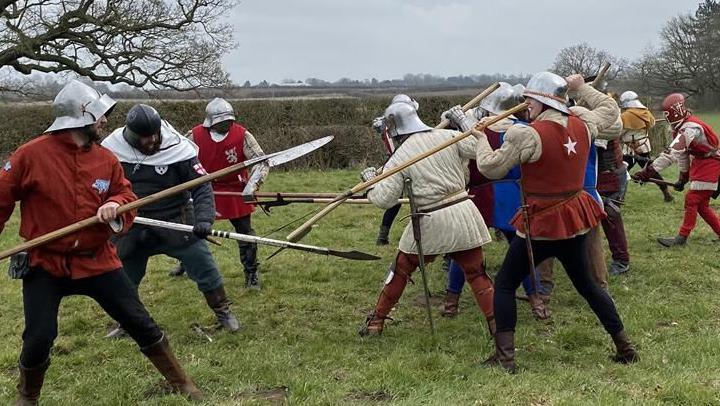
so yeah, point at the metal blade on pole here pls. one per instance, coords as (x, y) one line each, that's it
(417, 235)
(273, 159)
(353, 255)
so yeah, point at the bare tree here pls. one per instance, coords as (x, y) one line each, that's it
(688, 57)
(174, 44)
(587, 61)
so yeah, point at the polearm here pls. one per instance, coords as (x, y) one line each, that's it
(528, 241)
(275, 159)
(278, 195)
(472, 103)
(601, 75)
(655, 181)
(353, 255)
(415, 216)
(301, 231)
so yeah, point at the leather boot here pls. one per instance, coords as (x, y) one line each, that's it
(626, 352)
(31, 382)
(504, 352)
(373, 326)
(383, 236)
(217, 301)
(252, 281)
(537, 306)
(667, 196)
(450, 307)
(678, 240)
(164, 360)
(618, 268)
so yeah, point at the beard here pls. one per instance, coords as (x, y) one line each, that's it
(151, 149)
(91, 133)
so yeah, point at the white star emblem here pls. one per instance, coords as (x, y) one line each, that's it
(570, 146)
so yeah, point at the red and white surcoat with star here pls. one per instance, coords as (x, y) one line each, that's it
(558, 206)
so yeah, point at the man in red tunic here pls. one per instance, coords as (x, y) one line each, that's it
(224, 142)
(695, 148)
(60, 178)
(552, 152)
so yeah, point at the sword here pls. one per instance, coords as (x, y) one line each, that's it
(415, 216)
(353, 255)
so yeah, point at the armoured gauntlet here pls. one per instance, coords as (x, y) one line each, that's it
(458, 118)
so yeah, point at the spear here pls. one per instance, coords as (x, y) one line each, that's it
(353, 255)
(301, 231)
(273, 159)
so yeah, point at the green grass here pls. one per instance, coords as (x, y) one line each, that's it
(300, 332)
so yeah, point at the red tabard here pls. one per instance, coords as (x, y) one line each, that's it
(703, 168)
(558, 206)
(219, 155)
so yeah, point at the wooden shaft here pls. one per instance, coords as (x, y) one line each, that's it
(283, 195)
(72, 228)
(301, 231)
(320, 200)
(472, 103)
(601, 75)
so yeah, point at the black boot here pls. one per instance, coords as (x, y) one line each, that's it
(164, 360)
(31, 382)
(383, 236)
(626, 352)
(678, 240)
(252, 281)
(504, 351)
(667, 196)
(220, 305)
(248, 257)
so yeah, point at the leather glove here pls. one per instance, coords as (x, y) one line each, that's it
(202, 229)
(368, 174)
(458, 119)
(645, 174)
(683, 179)
(379, 125)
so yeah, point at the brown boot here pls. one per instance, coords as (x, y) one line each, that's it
(164, 360)
(451, 305)
(220, 305)
(537, 306)
(31, 381)
(667, 197)
(504, 351)
(626, 352)
(373, 326)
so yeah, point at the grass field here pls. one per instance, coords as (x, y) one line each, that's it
(300, 345)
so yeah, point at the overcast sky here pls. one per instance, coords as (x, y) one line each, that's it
(385, 39)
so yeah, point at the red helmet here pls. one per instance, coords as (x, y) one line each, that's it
(674, 109)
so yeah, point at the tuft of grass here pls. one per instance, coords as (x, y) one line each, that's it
(299, 343)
